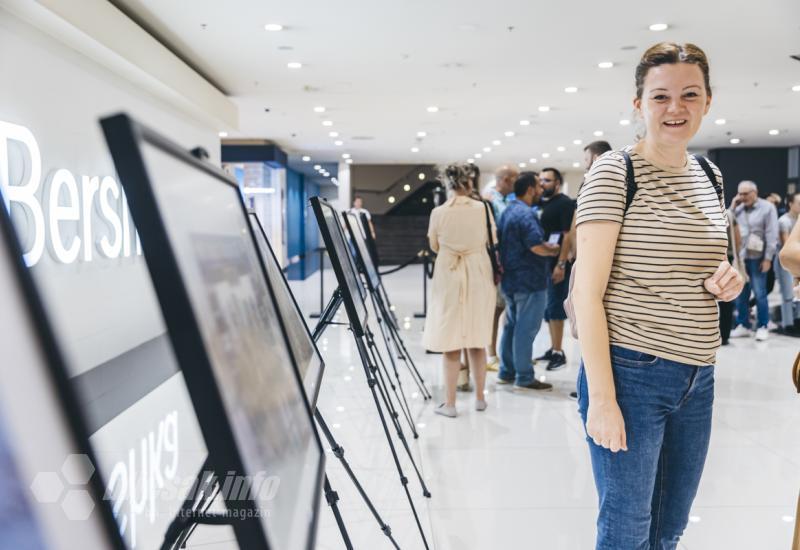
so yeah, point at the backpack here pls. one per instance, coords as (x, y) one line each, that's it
(630, 193)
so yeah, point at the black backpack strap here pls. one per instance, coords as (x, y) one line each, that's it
(712, 177)
(630, 180)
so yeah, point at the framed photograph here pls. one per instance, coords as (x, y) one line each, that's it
(51, 493)
(341, 258)
(357, 238)
(228, 336)
(306, 354)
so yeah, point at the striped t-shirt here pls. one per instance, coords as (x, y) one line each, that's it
(673, 237)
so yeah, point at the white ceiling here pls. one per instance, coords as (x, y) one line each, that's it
(377, 65)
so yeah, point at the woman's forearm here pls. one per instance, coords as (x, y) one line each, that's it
(594, 342)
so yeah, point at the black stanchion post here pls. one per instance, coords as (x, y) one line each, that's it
(424, 287)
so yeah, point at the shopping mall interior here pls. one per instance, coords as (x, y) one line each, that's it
(219, 278)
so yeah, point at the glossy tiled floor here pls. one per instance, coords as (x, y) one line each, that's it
(518, 475)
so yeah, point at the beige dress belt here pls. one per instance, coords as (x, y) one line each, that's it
(457, 265)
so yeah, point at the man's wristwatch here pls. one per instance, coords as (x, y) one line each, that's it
(562, 264)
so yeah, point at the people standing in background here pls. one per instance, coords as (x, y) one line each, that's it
(789, 311)
(462, 290)
(777, 202)
(523, 252)
(358, 209)
(557, 213)
(726, 309)
(758, 223)
(501, 195)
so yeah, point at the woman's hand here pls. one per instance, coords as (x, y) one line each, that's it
(726, 284)
(605, 425)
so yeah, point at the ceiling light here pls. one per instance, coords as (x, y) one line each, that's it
(415, 149)
(577, 142)
(406, 187)
(522, 165)
(497, 142)
(391, 200)
(735, 141)
(327, 123)
(658, 27)
(306, 159)
(796, 88)
(338, 143)
(571, 89)
(487, 149)
(605, 64)
(273, 27)
(598, 133)
(317, 167)
(478, 155)
(319, 109)
(774, 132)
(561, 148)
(545, 155)
(421, 176)
(720, 121)
(433, 109)
(544, 108)
(509, 134)
(223, 134)
(345, 155)
(294, 65)
(624, 122)
(471, 161)
(524, 122)
(349, 161)
(422, 134)
(576, 164)
(533, 161)
(334, 134)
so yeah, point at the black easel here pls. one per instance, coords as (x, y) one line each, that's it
(425, 262)
(321, 251)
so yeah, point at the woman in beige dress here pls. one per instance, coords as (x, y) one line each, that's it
(462, 293)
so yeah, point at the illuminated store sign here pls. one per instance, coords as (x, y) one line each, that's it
(60, 209)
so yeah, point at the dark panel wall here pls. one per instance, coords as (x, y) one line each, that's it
(768, 167)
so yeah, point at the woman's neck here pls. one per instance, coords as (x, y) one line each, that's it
(460, 192)
(667, 156)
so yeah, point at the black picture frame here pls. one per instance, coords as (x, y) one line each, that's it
(361, 250)
(33, 314)
(134, 148)
(312, 370)
(350, 285)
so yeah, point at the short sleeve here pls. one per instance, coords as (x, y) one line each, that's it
(433, 227)
(602, 196)
(532, 232)
(567, 214)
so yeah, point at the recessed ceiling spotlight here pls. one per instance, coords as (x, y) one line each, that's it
(576, 164)
(349, 161)
(497, 142)
(391, 200)
(524, 122)
(487, 149)
(433, 109)
(306, 158)
(223, 134)
(545, 155)
(624, 122)
(294, 65)
(605, 65)
(533, 161)
(598, 133)
(658, 27)
(544, 108)
(406, 187)
(577, 142)
(571, 89)
(319, 109)
(720, 121)
(796, 88)
(338, 143)
(774, 132)
(561, 148)
(421, 176)
(273, 27)
(522, 165)
(327, 123)
(422, 134)
(415, 149)
(470, 161)
(334, 134)
(509, 133)
(345, 155)
(317, 167)
(735, 141)
(478, 155)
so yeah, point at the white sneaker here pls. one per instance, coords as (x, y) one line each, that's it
(446, 410)
(762, 334)
(740, 332)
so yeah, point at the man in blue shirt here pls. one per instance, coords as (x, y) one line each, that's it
(522, 253)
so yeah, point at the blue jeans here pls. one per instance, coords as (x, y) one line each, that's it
(786, 282)
(524, 312)
(758, 282)
(646, 493)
